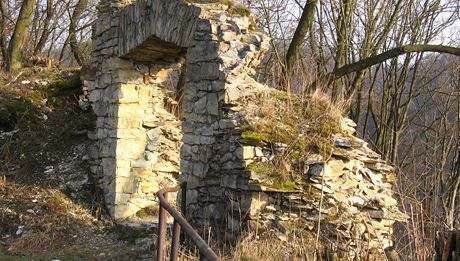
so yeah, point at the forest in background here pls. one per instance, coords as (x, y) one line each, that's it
(392, 65)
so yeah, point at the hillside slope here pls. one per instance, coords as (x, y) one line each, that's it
(48, 207)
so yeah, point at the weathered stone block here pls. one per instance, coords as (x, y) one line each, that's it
(213, 104)
(124, 210)
(127, 123)
(115, 63)
(186, 151)
(200, 105)
(99, 109)
(145, 94)
(122, 93)
(154, 134)
(109, 166)
(125, 111)
(127, 133)
(130, 148)
(227, 124)
(204, 71)
(122, 171)
(203, 26)
(108, 148)
(126, 185)
(127, 76)
(165, 166)
(121, 198)
(151, 121)
(199, 169)
(245, 152)
(95, 95)
(142, 203)
(203, 51)
(191, 139)
(149, 187)
(192, 196)
(205, 131)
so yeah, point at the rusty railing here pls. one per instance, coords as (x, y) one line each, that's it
(206, 252)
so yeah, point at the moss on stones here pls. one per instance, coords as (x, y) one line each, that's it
(234, 9)
(64, 87)
(303, 124)
(238, 10)
(252, 135)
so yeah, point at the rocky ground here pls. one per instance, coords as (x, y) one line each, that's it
(49, 209)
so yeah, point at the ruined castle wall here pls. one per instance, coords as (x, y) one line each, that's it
(219, 64)
(348, 195)
(137, 137)
(169, 90)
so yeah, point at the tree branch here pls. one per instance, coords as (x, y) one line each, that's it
(373, 60)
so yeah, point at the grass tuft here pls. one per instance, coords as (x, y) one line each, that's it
(304, 125)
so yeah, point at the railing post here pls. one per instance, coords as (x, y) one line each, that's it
(180, 223)
(175, 241)
(183, 207)
(161, 246)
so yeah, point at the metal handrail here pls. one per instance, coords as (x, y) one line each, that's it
(206, 253)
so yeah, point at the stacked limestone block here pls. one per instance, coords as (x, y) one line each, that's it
(137, 139)
(220, 60)
(132, 44)
(350, 193)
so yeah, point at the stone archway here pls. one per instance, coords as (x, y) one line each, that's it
(135, 48)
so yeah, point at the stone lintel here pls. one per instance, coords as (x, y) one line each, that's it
(153, 49)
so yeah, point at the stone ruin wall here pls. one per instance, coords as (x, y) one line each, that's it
(350, 193)
(137, 134)
(137, 137)
(167, 95)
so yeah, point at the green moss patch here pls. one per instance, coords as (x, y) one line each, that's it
(65, 87)
(234, 8)
(252, 135)
(17, 109)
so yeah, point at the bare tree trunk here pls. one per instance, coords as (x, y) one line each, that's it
(447, 246)
(77, 12)
(19, 36)
(343, 39)
(3, 37)
(46, 32)
(304, 25)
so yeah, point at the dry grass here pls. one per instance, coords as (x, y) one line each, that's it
(265, 247)
(305, 124)
(47, 215)
(35, 242)
(253, 248)
(53, 227)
